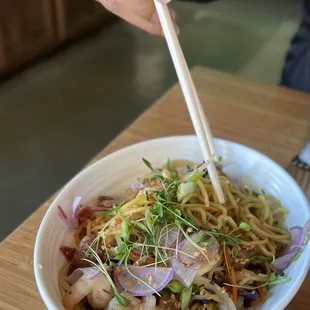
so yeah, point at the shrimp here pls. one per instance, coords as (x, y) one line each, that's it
(100, 294)
(90, 288)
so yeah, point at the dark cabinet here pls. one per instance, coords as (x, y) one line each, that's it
(27, 30)
(30, 28)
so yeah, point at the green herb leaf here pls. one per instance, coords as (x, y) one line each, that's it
(186, 297)
(114, 210)
(122, 249)
(148, 164)
(120, 298)
(204, 239)
(147, 195)
(148, 220)
(107, 292)
(220, 163)
(228, 239)
(142, 227)
(125, 229)
(273, 277)
(245, 226)
(158, 209)
(185, 189)
(175, 287)
(169, 165)
(297, 255)
(280, 281)
(255, 194)
(196, 176)
(154, 177)
(271, 281)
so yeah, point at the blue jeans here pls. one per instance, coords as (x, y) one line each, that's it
(296, 71)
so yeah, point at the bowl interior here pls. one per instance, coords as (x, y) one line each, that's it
(114, 173)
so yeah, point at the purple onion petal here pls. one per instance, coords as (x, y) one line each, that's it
(299, 235)
(62, 214)
(283, 262)
(91, 273)
(135, 186)
(185, 267)
(156, 278)
(187, 247)
(297, 238)
(71, 222)
(117, 281)
(170, 237)
(64, 217)
(249, 295)
(76, 203)
(185, 275)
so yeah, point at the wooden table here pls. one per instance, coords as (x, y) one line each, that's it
(270, 119)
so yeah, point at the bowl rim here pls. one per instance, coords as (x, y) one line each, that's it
(45, 295)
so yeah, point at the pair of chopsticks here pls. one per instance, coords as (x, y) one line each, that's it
(197, 114)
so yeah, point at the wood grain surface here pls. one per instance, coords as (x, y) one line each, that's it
(270, 119)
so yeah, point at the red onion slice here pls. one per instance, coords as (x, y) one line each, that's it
(185, 275)
(134, 280)
(71, 222)
(136, 186)
(299, 236)
(170, 237)
(90, 272)
(76, 203)
(210, 248)
(186, 267)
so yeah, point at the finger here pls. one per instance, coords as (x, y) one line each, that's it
(164, 1)
(148, 26)
(144, 24)
(115, 5)
(155, 17)
(111, 5)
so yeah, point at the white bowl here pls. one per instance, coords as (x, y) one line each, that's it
(112, 174)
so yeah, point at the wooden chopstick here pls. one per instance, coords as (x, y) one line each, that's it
(197, 114)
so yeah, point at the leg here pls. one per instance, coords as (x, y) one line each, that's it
(296, 71)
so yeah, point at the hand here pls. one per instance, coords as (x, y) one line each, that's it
(141, 13)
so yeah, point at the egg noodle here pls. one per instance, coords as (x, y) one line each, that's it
(218, 254)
